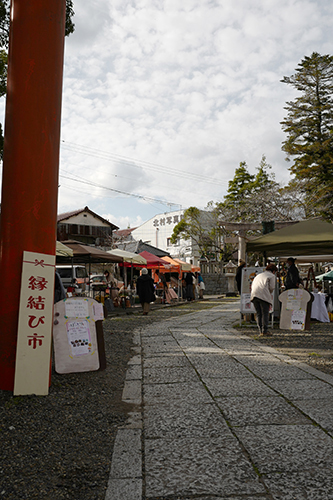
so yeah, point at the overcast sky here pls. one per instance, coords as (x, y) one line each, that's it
(164, 99)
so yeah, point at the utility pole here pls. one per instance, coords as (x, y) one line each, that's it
(31, 154)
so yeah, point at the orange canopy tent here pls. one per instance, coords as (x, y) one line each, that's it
(153, 261)
(175, 267)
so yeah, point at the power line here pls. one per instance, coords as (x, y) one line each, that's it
(113, 157)
(94, 184)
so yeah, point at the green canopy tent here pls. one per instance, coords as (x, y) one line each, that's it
(325, 276)
(308, 237)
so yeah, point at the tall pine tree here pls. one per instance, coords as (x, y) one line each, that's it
(309, 129)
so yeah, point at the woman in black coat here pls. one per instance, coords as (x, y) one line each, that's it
(293, 279)
(189, 286)
(145, 289)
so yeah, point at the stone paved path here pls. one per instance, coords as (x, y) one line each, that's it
(220, 416)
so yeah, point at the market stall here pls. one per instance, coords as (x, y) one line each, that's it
(312, 238)
(85, 254)
(308, 237)
(130, 260)
(185, 266)
(175, 279)
(62, 250)
(155, 263)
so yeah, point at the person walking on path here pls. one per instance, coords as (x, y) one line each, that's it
(261, 295)
(293, 279)
(145, 289)
(189, 286)
(160, 278)
(201, 285)
(239, 275)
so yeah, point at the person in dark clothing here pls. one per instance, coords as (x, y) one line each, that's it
(293, 279)
(238, 278)
(59, 290)
(189, 286)
(159, 277)
(145, 289)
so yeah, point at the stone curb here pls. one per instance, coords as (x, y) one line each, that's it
(125, 480)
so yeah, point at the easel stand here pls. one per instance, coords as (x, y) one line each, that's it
(310, 279)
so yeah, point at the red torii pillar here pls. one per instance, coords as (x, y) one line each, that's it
(31, 154)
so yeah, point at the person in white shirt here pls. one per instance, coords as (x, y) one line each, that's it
(261, 295)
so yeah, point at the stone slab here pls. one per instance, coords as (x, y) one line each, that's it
(136, 338)
(202, 349)
(243, 411)
(155, 333)
(188, 467)
(233, 347)
(169, 375)
(321, 411)
(124, 489)
(155, 394)
(132, 392)
(166, 361)
(158, 340)
(179, 419)
(133, 421)
(240, 386)
(127, 455)
(286, 448)
(134, 372)
(263, 359)
(310, 484)
(136, 360)
(168, 347)
(282, 372)
(247, 497)
(303, 389)
(218, 366)
(183, 333)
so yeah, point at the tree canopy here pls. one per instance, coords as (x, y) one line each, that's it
(250, 198)
(253, 197)
(258, 197)
(309, 129)
(201, 228)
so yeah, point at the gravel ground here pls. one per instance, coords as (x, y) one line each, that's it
(314, 347)
(60, 446)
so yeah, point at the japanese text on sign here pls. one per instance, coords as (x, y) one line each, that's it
(167, 220)
(79, 338)
(32, 363)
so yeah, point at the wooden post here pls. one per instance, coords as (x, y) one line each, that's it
(241, 245)
(31, 154)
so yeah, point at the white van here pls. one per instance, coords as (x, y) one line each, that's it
(75, 276)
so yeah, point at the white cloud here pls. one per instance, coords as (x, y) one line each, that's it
(193, 86)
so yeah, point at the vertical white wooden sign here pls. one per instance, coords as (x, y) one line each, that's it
(248, 275)
(33, 352)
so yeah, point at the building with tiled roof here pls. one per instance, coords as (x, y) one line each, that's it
(86, 226)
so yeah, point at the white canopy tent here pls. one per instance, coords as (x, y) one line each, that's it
(63, 251)
(130, 257)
